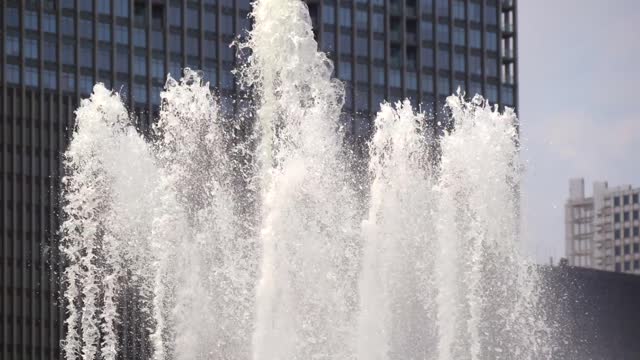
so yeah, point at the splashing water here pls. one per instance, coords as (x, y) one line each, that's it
(426, 266)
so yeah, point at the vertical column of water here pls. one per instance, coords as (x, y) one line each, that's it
(398, 243)
(482, 279)
(213, 275)
(306, 293)
(90, 230)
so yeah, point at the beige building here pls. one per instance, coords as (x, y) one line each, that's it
(603, 231)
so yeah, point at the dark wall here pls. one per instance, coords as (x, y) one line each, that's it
(598, 312)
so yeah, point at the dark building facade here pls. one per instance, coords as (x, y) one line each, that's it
(597, 312)
(53, 51)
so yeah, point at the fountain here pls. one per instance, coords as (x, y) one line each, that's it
(417, 260)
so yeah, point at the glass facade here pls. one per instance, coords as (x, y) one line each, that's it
(420, 49)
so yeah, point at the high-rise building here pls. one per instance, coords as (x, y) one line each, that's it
(53, 51)
(603, 231)
(418, 49)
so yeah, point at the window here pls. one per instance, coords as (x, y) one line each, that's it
(175, 15)
(616, 201)
(378, 49)
(210, 20)
(67, 25)
(426, 30)
(616, 234)
(458, 9)
(86, 29)
(12, 17)
(140, 93)
(635, 198)
(491, 14)
(492, 67)
(618, 267)
(157, 68)
(635, 214)
(459, 62)
(50, 50)
(362, 73)
(157, 40)
(377, 22)
(345, 16)
(345, 44)
(475, 88)
(617, 250)
(427, 83)
(442, 7)
(636, 264)
(30, 20)
(475, 13)
(616, 217)
(68, 54)
(49, 79)
(362, 46)
(85, 6)
(492, 41)
(104, 59)
(140, 65)
(104, 7)
(443, 33)
(626, 216)
(344, 70)
(444, 86)
(627, 266)
(507, 95)
(427, 6)
(362, 100)
(459, 36)
(378, 75)
(636, 232)
(12, 45)
(86, 55)
(427, 57)
(328, 41)
(192, 46)
(625, 200)
(411, 80)
(31, 76)
(12, 73)
(193, 18)
(475, 39)
(362, 19)
(395, 78)
(475, 65)
(122, 8)
(86, 84)
(122, 34)
(492, 93)
(49, 23)
(104, 32)
(122, 60)
(443, 59)
(328, 14)
(139, 37)
(627, 233)
(210, 48)
(68, 81)
(227, 24)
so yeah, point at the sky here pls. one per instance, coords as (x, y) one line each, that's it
(579, 76)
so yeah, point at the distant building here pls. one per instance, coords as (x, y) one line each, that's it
(603, 231)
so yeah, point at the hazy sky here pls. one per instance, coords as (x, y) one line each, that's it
(579, 109)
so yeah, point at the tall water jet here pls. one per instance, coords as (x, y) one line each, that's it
(307, 289)
(394, 299)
